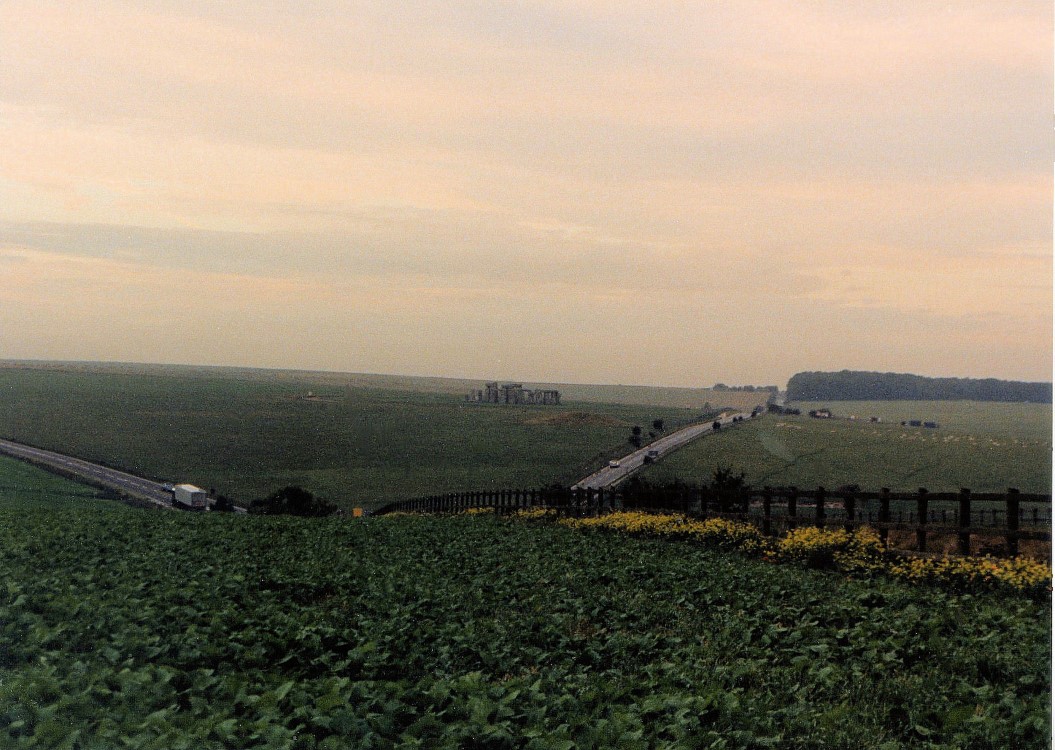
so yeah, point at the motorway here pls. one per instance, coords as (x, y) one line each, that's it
(612, 475)
(154, 493)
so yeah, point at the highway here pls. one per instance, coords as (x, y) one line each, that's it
(610, 476)
(154, 493)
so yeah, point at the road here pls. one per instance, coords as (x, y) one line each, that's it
(154, 493)
(609, 475)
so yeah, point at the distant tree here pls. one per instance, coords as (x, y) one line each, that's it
(223, 504)
(635, 440)
(657, 425)
(293, 501)
(723, 478)
(636, 430)
(848, 385)
(720, 387)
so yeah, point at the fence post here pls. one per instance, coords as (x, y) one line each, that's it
(793, 507)
(818, 509)
(884, 515)
(965, 521)
(850, 506)
(767, 510)
(1012, 521)
(921, 520)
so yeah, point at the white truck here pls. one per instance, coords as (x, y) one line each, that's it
(189, 496)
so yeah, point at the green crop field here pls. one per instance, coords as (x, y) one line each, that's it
(985, 447)
(247, 433)
(136, 629)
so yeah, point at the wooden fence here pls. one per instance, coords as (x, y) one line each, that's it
(1014, 516)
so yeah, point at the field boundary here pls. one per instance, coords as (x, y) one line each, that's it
(1013, 516)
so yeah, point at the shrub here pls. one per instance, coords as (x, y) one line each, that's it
(966, 574)
(833, 549)
(293, 501)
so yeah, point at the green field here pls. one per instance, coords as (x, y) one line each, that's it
(693, 399)
(19, 481)
(369, 439)
(246, 434)
(126, 628)
(986, 447)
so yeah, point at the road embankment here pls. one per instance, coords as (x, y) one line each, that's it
(128, 487)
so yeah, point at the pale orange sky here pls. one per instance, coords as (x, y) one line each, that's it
(652, 192)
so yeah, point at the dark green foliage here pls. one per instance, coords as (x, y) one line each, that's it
(121, 628)
(223, 504)
(848, 385)
(292, 501)
(723, 479)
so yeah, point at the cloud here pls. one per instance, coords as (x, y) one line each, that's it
(667, 180)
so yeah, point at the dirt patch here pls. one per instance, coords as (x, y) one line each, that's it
(576, 419)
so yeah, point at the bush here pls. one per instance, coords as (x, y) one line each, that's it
(830, 549)
(293, 501)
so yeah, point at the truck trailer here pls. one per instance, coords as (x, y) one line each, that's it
(189, 496)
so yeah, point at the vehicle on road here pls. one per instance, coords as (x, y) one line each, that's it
(614, 464)
(191, 497)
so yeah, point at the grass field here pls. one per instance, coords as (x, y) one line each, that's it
(693, 399)
(247, 435)
(19, 481)
(368, 439)
(985, 447)
(151, 630)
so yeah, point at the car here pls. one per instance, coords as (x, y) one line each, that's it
(652, 454)
(614, 464)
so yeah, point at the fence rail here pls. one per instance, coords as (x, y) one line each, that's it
(1013, 515)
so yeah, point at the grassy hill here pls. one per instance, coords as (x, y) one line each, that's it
(986, 447)
(693, 399)
(357, 440)
(368, 439)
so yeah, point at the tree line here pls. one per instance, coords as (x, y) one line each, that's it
(849, 385)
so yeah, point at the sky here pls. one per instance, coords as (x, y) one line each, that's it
(661, 192)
